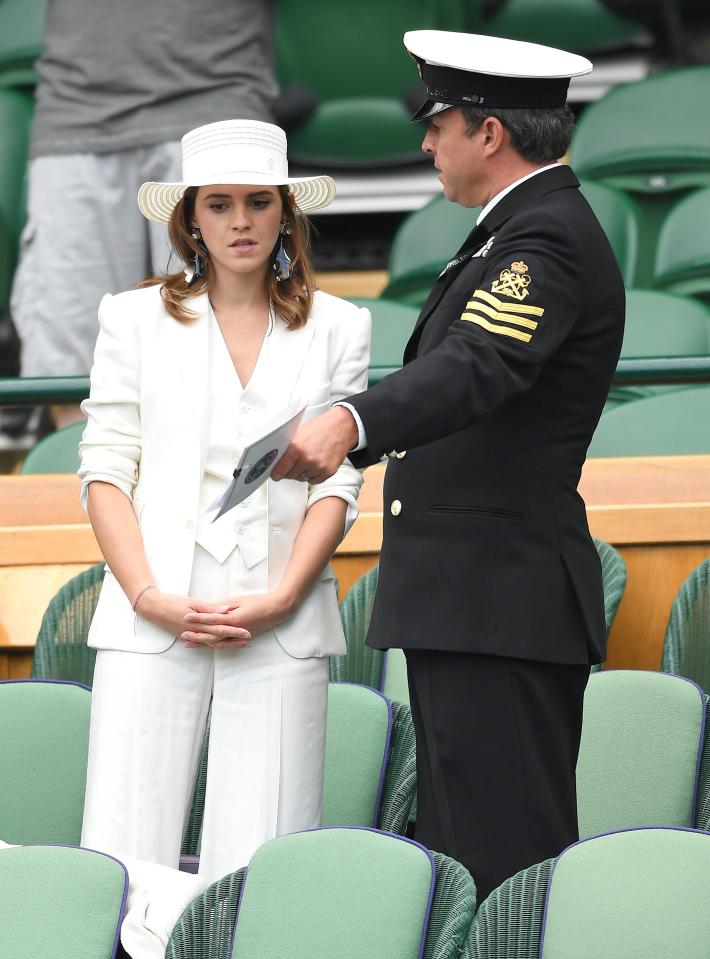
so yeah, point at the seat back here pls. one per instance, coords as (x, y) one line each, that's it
(58, 452)
(639, 758)
(361, 664)
(43, 755)
(619, 139)
(661, 324)
(61, 651)
(15, 120)
(683, 253)
(614, 574)
(641, 892)
(686, 645)
(21, 30)
(358, 735)
(392, 325)
(570, 24)
(395, 685)
(60, 902)
(331, 892)
(667, 424)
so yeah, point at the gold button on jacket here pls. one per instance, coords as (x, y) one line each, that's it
(396, 507)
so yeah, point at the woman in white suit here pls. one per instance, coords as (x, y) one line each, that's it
(241, 611)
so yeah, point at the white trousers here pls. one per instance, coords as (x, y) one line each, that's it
(266, 747)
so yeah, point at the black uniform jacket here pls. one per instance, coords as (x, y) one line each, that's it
(486, 546)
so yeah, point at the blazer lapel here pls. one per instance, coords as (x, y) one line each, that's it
(473, 242)
(187, 350)
(287, 351)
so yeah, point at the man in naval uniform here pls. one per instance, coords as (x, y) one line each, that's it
(489, 579)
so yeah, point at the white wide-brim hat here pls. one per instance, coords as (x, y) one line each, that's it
(239, 152)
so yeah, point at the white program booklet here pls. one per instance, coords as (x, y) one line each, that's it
(260, 452)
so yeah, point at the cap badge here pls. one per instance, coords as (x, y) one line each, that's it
(513, 282)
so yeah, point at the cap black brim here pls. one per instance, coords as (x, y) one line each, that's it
(429, 109)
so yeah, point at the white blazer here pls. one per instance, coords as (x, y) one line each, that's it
(148, 416)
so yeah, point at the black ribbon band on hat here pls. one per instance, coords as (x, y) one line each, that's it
(463, 88)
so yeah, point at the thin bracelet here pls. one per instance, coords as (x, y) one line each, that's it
(144, 590)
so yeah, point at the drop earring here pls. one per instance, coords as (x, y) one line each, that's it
(282, 261)
(198, 262)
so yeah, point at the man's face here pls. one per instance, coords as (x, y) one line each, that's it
(458, 156)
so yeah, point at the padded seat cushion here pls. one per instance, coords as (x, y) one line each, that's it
(348, 893)
(641, 893)
(642, 739)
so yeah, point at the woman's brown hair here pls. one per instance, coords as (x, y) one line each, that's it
(291, 299)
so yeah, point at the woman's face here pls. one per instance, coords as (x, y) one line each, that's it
(239, 225)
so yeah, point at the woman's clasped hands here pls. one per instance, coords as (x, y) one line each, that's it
(227, 625)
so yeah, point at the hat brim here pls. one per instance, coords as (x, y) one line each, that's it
(157, 201)
(429, 109)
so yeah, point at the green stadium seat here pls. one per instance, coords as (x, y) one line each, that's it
(392, 324)
(15, 120)
(636, 893)
(643, 738)
(43, 756)
(686, 645)
(670, 424)
(660, 324)
(414, 265)
(58, 452)
(683, 252)
(581, 25)
(21, 31)
(360, 117)
(60, 902)
(332, 892)
(620, 139)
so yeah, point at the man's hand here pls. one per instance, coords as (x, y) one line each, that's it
(318, 447)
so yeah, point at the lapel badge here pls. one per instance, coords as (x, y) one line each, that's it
(486, 247)
(513, 282)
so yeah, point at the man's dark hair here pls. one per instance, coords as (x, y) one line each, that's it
(539, 136)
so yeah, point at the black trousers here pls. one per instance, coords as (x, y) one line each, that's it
(497, 745)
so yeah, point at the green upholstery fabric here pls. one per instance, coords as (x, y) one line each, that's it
(642, 737)
(299, 901)
(15, 120)
(683, 253)
(392, 324)
(619, 139)
(56, 453)
(204, 930)
(686, 645)
(356, 748)
(21, 29)
(414, 265)
(395, 681)
(60, 902)
(613, 578)
(509, 922)
(61, 651)
(360, 118)
(570, 24)
(638, 893)
(43, 754)
(361, 664)
(669, 424)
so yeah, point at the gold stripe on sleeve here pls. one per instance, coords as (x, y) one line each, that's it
(493, 328)
(505, 317)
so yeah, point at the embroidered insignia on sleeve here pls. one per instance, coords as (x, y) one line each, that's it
(516, 321)
(513, 282)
